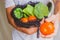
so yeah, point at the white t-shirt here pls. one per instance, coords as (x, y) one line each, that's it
(15, 2)
(20, 35)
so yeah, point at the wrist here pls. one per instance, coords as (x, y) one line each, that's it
(57, 6)
(57, 1)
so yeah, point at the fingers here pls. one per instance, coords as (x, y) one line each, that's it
(53, 17)
(50, 19)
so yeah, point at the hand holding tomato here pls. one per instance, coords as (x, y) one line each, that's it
(53, 29)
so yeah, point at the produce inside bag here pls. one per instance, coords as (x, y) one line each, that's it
(30, 14)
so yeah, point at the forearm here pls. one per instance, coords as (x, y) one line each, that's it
(9, 17)
(57, 6)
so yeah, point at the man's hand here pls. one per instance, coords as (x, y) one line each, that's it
(28, 31)
(54, 19)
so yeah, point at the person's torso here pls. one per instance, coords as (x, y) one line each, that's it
(17, 35)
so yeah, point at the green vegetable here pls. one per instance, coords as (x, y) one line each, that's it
(25, 16)
(28, 10)
(18, 13)
(41, 10)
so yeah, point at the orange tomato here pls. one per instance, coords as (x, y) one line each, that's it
(47, 28)
(31, 18)
(24, 20)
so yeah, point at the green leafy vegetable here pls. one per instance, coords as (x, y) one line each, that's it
(25, 16)
(28, 10)
(41, 10)
(18, 13)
